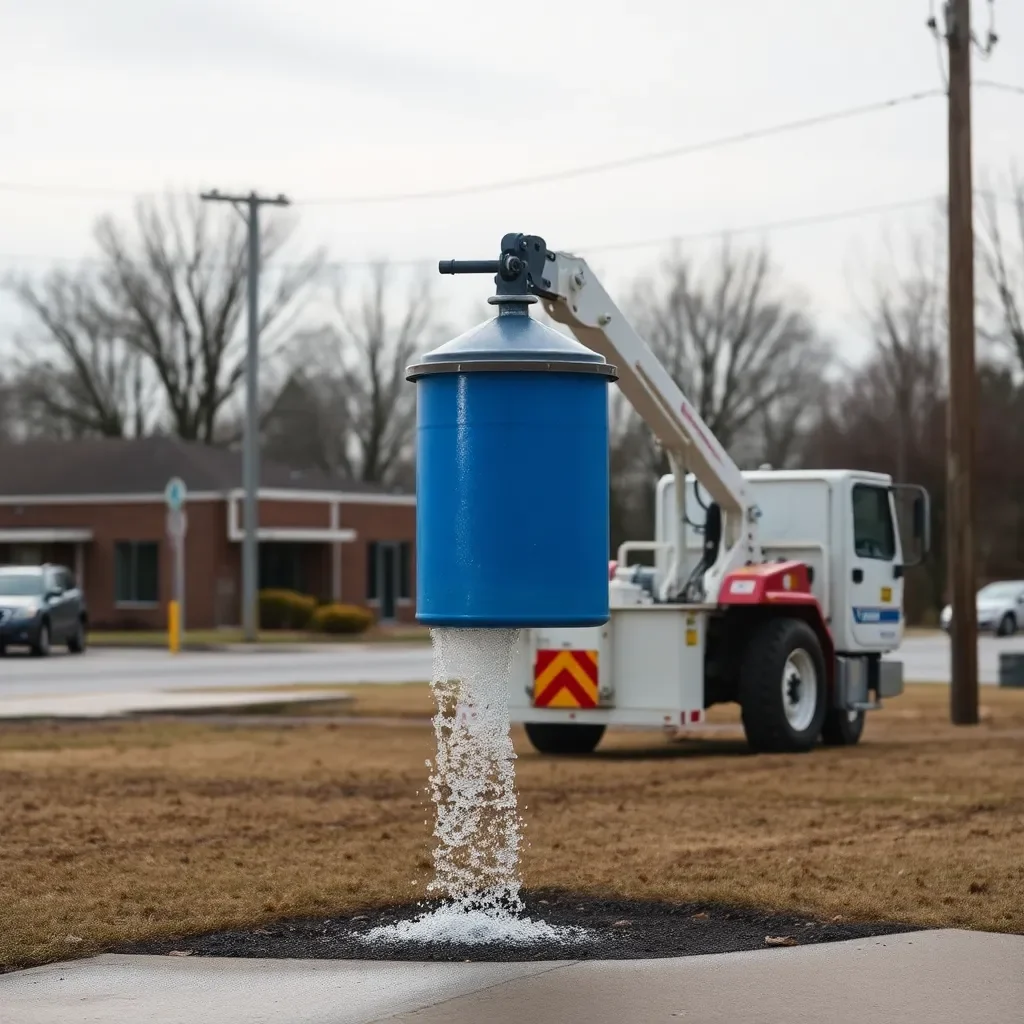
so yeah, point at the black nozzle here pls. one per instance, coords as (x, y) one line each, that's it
(519, 272)
(468, 267)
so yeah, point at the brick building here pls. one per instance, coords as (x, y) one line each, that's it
(97, 506)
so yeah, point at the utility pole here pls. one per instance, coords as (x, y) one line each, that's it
(960, 424)
(249, 208)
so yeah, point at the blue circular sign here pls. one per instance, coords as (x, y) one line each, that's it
(174, 494)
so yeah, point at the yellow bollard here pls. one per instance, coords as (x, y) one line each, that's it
(174, 627)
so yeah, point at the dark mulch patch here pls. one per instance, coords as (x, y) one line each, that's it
(625, 930)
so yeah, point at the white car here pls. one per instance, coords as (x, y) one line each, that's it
(1000, 608)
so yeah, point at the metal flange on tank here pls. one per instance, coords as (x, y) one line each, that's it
(512, 464)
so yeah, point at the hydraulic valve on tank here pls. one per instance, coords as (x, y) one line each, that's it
(512, 464)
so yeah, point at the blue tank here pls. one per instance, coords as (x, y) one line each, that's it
(512, 478)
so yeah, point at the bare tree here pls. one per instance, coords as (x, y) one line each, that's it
(887, 414)
(1002, 260)
(348, 385)
(81, 379)
(732, 342)
(908, 330)
(746, 355)
(8, 410)
(166, 303)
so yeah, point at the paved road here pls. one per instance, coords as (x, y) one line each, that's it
(105, 670)
(926, 659)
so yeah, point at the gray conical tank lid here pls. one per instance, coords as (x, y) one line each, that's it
(511, 341)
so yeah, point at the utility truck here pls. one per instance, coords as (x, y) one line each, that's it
(778, 590)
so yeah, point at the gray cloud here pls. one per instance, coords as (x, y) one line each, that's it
(176, 35)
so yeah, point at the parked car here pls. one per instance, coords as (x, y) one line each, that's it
(1000, 608)
(41, 606)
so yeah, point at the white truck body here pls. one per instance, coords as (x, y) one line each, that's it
(651, 657)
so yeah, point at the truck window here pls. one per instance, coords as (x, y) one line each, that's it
(873, 535)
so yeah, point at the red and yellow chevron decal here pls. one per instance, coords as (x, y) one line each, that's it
(565, 679)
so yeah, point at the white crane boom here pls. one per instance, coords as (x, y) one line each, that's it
(574, 296)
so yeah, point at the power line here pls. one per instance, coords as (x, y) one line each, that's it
(984, 47)
(983, 83)
(940, 46)
(786, 224)
(776, 225)
(684, 149)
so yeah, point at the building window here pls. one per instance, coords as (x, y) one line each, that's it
(136, 572)
(404, 571)
(282, 567)
(873, 534)
(371, 571)
(388, 570)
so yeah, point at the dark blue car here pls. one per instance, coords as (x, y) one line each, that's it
(41, 606)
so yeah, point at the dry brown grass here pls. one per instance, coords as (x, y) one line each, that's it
(121, 831)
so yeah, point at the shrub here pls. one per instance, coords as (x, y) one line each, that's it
(341, 618)
(285, 609)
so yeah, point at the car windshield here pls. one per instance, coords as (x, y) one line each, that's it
(20, 584)
(999, 591)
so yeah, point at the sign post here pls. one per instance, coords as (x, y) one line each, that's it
(177, 527)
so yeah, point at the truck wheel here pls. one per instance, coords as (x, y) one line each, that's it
(551, 738)
(842, 728)
(782, 689)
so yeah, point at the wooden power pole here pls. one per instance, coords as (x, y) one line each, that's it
(249, 207)
(960, 426)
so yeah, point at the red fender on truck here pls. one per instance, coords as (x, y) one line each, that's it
(785, 588)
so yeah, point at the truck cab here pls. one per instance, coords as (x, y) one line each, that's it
(842, 524)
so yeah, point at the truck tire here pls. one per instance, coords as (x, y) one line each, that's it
(782, 689)
(558, 738)
(842, 728)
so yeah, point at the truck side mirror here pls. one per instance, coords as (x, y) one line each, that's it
(919, 517)
(920, 521)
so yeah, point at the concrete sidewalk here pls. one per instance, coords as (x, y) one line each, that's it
(113, 705)
(936, 977)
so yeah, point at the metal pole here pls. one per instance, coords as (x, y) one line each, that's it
(250, 448)
(179, 579)
(251, 440)
(960, 431)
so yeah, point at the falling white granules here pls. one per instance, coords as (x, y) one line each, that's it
(477, 829)
(473, 927)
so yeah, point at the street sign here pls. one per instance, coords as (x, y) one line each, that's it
(174, 494)
(177, 524)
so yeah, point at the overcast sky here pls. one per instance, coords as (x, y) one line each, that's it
(326, 99)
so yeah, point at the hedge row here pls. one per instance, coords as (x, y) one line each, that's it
(286, 609)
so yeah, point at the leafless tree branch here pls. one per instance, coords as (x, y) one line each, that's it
(348, 377)
(165, 309)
